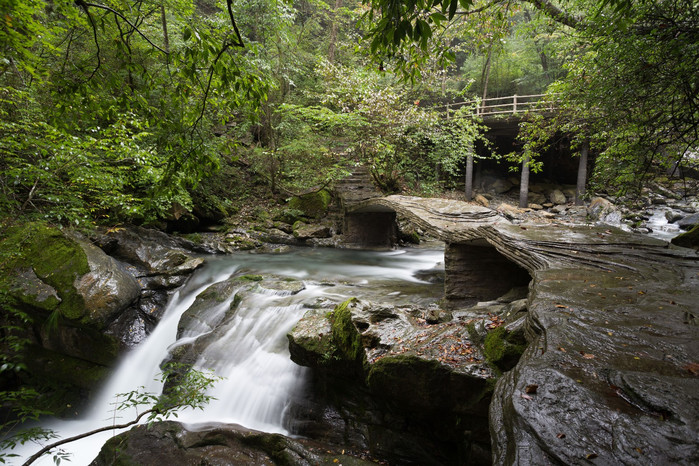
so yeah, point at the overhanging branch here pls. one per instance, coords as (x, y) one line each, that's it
(555, 13)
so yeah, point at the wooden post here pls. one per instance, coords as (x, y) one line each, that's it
(524, 184)
(514, 103)
(469, 174)
(582, 172)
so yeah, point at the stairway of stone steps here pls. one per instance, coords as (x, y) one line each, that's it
(357, 187)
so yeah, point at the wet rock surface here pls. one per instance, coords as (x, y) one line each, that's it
(389, 382)
(173, 443)
(609, 375)
(160, 263)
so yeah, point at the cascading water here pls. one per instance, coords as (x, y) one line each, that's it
(250, 351)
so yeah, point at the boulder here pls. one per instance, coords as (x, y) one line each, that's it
(379, 348)
(536, 198)
(305, 231)
(160, 262)
(169, 442)
(557, 197)
(501, 186)
(688, 222)
(313, 205)
(481, 200)
(275, 236)
(672, 216)
(688, 239)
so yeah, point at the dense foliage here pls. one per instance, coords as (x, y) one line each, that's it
(628, 84)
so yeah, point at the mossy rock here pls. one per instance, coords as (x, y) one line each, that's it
(313, 205)
(688, 239)
(345, 334)
(55, 260)
(503, 348)
(289, 216)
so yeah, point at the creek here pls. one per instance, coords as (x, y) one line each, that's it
(259, 380)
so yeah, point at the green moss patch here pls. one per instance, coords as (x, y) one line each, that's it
(503, 349)
(313, 205)
(345, 334)
(55, 259)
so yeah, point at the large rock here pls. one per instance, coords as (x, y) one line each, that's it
(557, 197)
(160, 262)
(313, 205)
(72, 291)
(429, 380)
(688, 239)
(688, 222)
(172, 443)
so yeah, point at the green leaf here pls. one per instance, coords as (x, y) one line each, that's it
(452, 8)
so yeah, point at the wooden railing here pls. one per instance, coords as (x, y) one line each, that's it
(510, 105)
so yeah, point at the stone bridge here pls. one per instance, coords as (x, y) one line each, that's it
(610, 373)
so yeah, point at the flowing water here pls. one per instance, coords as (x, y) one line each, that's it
(259, 380)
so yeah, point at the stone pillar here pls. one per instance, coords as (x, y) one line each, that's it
(476, 273)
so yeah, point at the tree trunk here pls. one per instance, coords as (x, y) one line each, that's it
(333, 32)
(469, 175)
(582, 173)
(485, 76)
(524, 184)
(166, 37)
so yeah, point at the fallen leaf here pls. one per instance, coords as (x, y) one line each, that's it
(561, 306)
(531, 388)
(560, 348)
(587, 355)
(591, 456)
(526, 397)
(561, 435)
(692, 367)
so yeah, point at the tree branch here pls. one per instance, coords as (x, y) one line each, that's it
(82, 4)
(86, 5)
(53, 445)
(555, 13)
(240, 42)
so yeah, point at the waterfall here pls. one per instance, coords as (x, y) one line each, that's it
(250, 352)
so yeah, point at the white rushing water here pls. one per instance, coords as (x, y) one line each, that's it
(251, 355)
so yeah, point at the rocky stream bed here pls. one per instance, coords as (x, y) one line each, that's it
(589, 356)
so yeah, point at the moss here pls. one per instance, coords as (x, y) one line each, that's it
(313, 205)
(503, 349)
(194, 237)
(410, 237)
(688, 239)
(251, 278)
(54, 258)
(345, 334)
(289, 216)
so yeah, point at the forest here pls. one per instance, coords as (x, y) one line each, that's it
(132, 111)
(179, 115)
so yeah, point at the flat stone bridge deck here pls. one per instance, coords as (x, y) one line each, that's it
(610, 375)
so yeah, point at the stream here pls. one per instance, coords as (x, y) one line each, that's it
(259, 380)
